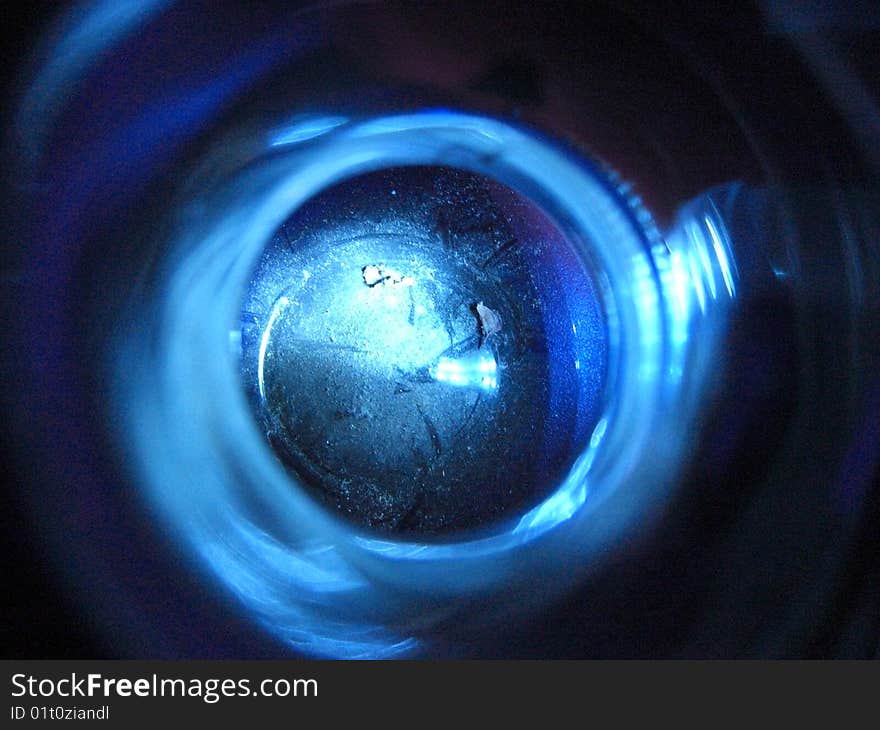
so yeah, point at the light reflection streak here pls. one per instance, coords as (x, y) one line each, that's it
(264, 342)
(303, 130)
(478, 369)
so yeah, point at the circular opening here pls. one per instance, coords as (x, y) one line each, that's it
(249, 281)
(424, 349)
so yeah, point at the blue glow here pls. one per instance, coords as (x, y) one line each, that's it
(304, 129)
(721, 255)
(318, 584)
(478, 369)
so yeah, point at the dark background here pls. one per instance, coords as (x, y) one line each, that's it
(39, 620)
